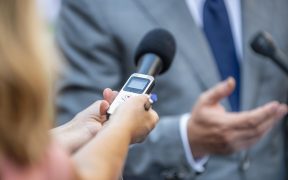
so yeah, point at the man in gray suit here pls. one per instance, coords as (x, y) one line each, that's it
(99, 37)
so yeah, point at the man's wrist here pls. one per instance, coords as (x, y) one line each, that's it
(196, 151)
(198, 163)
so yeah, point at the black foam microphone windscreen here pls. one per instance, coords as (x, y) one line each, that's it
(158, 42)
(263, 44)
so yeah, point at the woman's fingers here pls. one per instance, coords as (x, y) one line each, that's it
(109, 95)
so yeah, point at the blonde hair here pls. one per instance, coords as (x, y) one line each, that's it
(25, 83)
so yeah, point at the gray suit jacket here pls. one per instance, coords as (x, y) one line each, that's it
(99, 37)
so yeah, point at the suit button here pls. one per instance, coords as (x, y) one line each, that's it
(172, 175)
(245, 165)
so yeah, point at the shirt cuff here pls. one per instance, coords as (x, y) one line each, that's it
(196, 164)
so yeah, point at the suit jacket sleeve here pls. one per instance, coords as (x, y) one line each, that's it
(92, 59)
(94, 63)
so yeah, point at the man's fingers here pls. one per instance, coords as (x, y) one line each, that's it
(251, 137)
(252, 133)
(217, 93)
(243, 139)
(245, 144)
(249, 134)
(264, 113)
(252, 119)
(282, 111)
(109, 95)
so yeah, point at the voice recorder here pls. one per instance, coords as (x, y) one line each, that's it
(137, 84)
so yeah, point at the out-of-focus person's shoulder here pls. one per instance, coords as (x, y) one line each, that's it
(55, 165)
(58, 163)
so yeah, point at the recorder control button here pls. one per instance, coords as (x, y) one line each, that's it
(125, 98)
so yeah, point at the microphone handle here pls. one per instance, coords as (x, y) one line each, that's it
(150, 64)
(281, 60)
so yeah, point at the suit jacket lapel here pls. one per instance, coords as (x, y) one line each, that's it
(175, 16)
(254, 19)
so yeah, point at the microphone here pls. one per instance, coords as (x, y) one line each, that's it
(154, 56)
(155, 53)
(264, 45)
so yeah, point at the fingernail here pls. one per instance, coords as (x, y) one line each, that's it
(283, 109)
(147, 106)
(281, 112)
(229, 78)
(229, 82)
(274, 107)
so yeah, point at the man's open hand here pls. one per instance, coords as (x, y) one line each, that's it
(212, 130)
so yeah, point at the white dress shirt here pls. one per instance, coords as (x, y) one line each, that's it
(234, 13)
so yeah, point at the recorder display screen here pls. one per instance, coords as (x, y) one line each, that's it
(137, 85)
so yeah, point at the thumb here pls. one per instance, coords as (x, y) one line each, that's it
(218, 92)
(104, 105)
(96, 110)
(109, 95)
